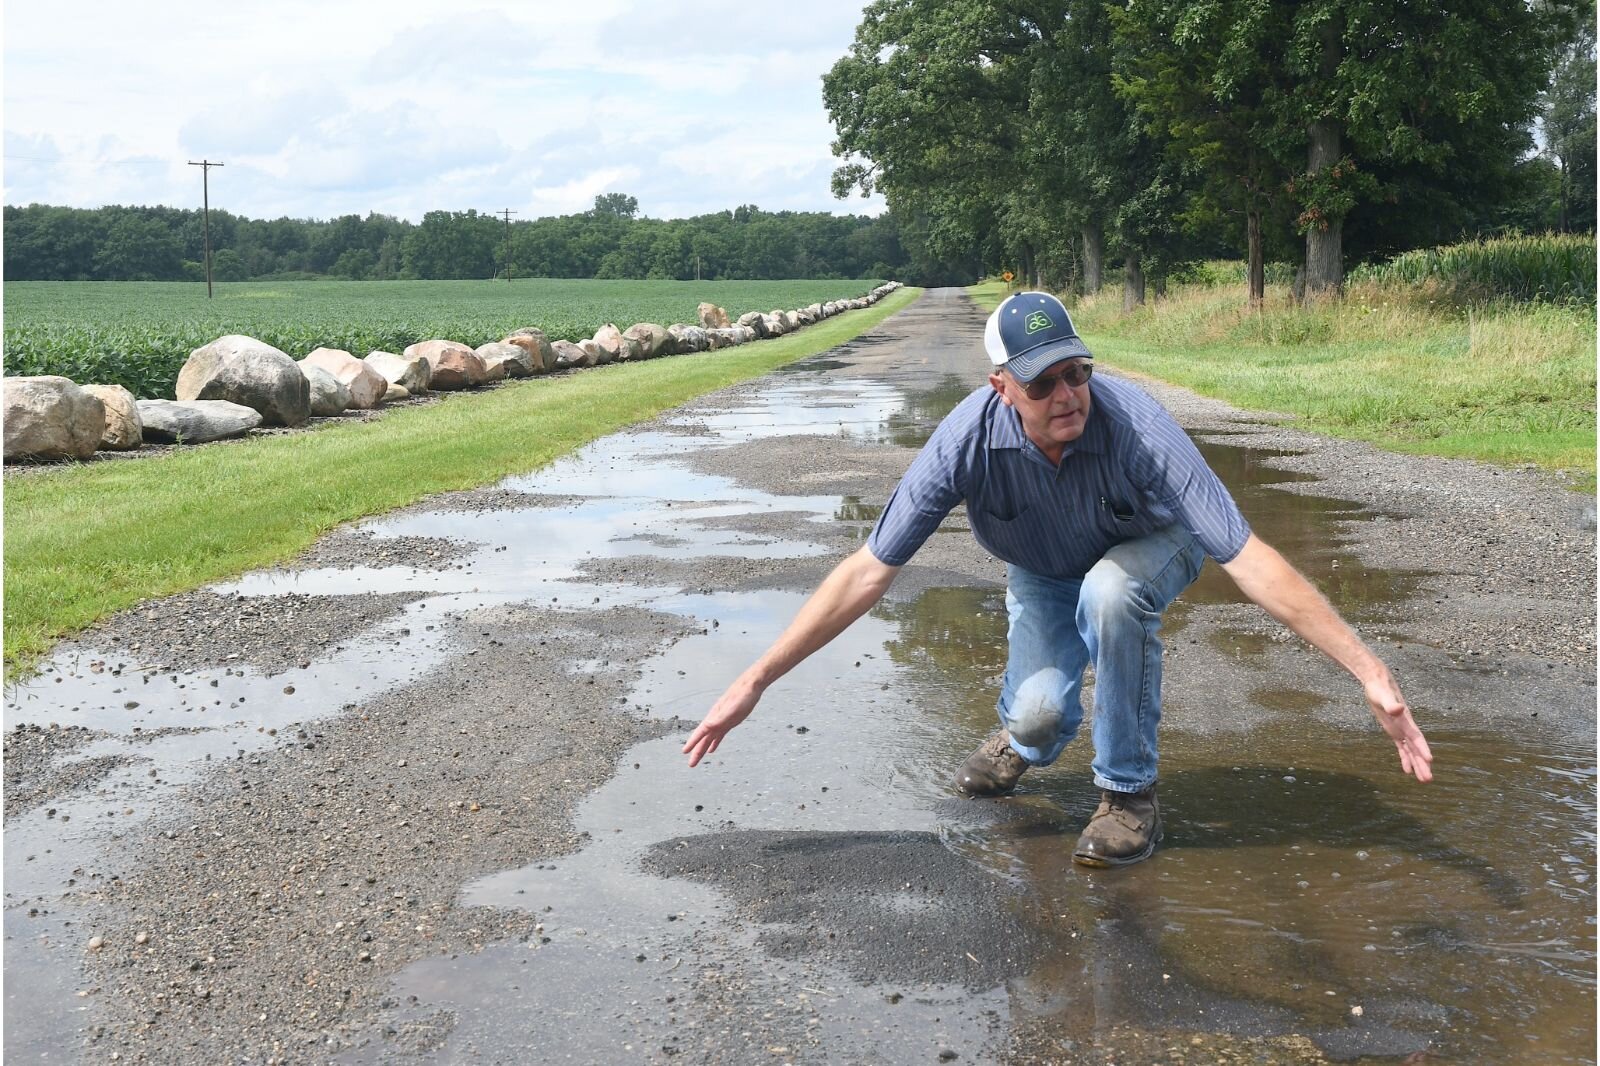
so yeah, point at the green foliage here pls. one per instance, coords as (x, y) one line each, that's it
(207, 514)
(1554, 268)
(138, 334)
(44, 243)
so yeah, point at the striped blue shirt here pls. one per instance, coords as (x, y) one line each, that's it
(1131, 472)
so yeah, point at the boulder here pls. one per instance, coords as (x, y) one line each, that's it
(719, 338)
(830, 308)
(597, 355)
(197, 421)
(803, 316)
(744, 334)
(753, 320)
(410, 374)
(542, 356)
(451, 365)
(772, 326)
(123, 431)
(328, 394)
(364, 382)
(49, 417)
(506, 360)
(710, 316)
(395, 392)
(571, 356)
(246, 371)
(688, 338)
(608, 338)
(654, 341)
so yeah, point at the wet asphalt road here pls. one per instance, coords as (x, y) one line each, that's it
(417, 797)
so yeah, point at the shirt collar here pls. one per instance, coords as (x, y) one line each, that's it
(1005, 430)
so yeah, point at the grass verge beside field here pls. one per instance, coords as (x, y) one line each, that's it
(82, 542)
(1506, 384)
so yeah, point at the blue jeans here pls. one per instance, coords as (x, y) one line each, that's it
(1110, 617)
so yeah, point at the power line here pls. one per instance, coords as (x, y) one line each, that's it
(507, 212)
(205, 166)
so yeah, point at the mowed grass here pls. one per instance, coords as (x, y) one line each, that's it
(82, 542)
(1507, 384)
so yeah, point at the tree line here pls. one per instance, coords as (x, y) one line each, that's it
(1063, 136)
(610, 240)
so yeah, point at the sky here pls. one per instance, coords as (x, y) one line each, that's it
(320, 109)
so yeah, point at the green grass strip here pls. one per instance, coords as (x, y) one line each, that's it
(82, 542)
(1509, 384)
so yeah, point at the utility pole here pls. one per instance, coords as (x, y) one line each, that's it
(205, 166)
(507, 212)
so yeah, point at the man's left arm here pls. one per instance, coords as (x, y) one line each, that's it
(1268, 579)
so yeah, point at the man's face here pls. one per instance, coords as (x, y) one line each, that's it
(1059, 416)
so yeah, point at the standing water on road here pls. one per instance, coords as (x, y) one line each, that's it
(816, 885)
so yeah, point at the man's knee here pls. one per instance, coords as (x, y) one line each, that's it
(1034, 718)
(1109, 592)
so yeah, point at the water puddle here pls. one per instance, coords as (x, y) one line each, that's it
(1304, 887)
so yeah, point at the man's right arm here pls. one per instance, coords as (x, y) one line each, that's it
(844, 595)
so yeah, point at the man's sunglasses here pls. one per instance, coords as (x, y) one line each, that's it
(1074, 374)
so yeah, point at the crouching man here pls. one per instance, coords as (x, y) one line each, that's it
(1103, 510)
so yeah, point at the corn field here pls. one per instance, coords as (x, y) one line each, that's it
(138, 334)
(1554, 268)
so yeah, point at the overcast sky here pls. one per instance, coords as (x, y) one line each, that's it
(327, 108)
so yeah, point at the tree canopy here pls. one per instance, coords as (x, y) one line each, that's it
(43, 242)
(1047, 134)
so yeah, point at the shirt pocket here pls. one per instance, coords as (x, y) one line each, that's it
(1014, 539)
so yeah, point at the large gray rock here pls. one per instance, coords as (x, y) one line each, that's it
(365, 384)
(772, 325)
(197, 421)
(506, 359)
(123, 431)
(410, 374)
(754, 320)
(711, 316)
(654, 341)
(451, 364)
(538, 347)
(571, 356)
(328, 394)
(246, 371)
(395, 392)
(598, 356)
(49, 417)
(688, 338)
(608, 338)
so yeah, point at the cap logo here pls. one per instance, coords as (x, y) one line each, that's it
(1037, 321)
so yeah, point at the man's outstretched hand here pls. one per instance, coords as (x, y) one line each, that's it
(1389, 708)
(734, 707)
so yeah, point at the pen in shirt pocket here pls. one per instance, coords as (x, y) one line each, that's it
(1119, 513)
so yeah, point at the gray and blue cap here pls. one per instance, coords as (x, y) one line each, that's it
(1029, 333)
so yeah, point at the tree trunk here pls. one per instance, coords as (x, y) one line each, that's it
(1094, 258)
(1030, 273)
(1324, 240)
(1257, 259)
(1160, 286)
(1132, 283)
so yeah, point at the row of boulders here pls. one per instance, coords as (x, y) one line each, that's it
(236, 383)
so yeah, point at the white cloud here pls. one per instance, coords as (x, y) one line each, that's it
(322, 109)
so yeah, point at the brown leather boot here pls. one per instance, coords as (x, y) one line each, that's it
(992, 770)
(1124, 829)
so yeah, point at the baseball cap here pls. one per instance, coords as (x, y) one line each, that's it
(1029, 333)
